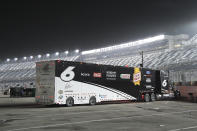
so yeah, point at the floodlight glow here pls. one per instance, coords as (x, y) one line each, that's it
(47, 54)
(8, 60)
(57, 53)
(66, 52)
(15, 59)
(31, 57)
(177, 45)
(25, 58)
(39, 56)
(76, 51)
(130, 44)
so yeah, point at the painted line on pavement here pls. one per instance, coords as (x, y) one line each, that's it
(186, 128)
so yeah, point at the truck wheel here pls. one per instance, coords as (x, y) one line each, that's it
(69, 102)
(92, 100)
(147, 97)
(153, 98)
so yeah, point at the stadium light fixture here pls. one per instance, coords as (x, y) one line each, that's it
(39, 56)
(125, 45)
(66, 52)
(31, 57)
(8, 59)
(76, 51)
(15, 59)
(47, 55)
(25, 58)
(57, 53)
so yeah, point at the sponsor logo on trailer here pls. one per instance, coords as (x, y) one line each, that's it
(148, 72)
(60, 91)
(148, 80)
(148, 75)
(60, 97)
(69, 91)
(102, 96)
(98, 75)
(110, 75)
(137, 76)
(148, 86)
(85, 74)
(68, 85)
(125, 76)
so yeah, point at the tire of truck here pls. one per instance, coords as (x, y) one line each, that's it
(69, 101)
(92, 100)
(153, 97)
(147, 97)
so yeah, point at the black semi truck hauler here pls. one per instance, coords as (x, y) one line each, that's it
(66, 82)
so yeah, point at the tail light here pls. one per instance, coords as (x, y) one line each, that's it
(142, 97)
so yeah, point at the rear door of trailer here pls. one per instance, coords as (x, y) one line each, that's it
(45, 73)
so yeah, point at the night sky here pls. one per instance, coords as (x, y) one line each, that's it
(46, 27)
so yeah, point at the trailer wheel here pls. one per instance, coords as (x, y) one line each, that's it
(153, 98)
(92, 100)
(147, 97)
(69, 102)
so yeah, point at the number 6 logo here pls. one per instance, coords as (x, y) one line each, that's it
(68, 74)
(164, 83)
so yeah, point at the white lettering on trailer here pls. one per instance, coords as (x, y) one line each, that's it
(68, 74)
(85, 74)
(110, 75)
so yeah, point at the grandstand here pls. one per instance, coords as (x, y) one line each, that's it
(22, 73)
(160, 52)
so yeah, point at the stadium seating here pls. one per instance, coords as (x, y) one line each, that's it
(159, 58)
(155, 60)
(21, 72)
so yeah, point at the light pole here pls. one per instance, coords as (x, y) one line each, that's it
(142, 55)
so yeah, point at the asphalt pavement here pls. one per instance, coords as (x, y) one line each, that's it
(152, 116)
